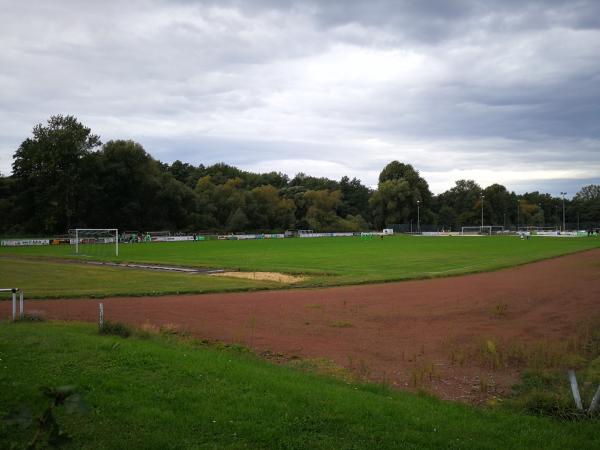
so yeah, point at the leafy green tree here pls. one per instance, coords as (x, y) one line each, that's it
(499, 205)
(186, 173)
(400, 189)
(227, 199)
(267, 210)
(321, 213)
(314, 183)
(237, 221)
(355, 198)
(47, 171)
(130, 180)
(464, 199)
(391, 203)
(585, 207)
(204, 218)
(8, 219)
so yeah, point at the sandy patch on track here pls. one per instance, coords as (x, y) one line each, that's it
(261, 276)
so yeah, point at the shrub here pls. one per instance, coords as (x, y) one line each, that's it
(116, 328)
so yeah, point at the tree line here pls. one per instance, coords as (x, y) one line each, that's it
(64, 177)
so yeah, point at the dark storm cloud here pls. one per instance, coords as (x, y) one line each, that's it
(505, 91)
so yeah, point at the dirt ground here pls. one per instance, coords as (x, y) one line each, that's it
(263, 276)
(404, 334)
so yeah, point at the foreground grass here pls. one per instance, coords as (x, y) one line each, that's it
(45, 279)
(333, 261)
(158, 393)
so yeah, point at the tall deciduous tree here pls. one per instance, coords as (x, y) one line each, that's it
(48, 171)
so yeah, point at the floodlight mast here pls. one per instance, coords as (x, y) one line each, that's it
(418, 217)
(563, 205)
(482, 197)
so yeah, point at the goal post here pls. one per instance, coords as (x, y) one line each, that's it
(85, 238)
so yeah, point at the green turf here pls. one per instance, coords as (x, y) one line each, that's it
(157, 393)
(54, 280)
(331, 261)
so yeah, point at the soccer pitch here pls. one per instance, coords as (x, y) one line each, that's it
(323, 261)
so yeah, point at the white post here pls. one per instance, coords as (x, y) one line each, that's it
(77, 241)
(117, 240)
(101, 317)
(575, 390)
(21, 305)
(14, 304)
(595, 401)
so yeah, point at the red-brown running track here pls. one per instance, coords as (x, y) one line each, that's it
(392, 332)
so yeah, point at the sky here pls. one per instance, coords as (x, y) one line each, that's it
(503, 91)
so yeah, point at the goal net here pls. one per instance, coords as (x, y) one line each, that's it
(486, 230)
(95, 242)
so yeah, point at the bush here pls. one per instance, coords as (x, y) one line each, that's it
(116, 328)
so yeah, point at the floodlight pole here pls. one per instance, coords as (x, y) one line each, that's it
(482, 197)
(563, 202)
(418, 217)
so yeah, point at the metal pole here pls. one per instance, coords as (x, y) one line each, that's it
(595, 401)
(21, 305)
(117, 240)
(575, 390)
(418, 217)
(76, 241)
(518, 209)
(563, 198)
(14, 304)
(482, 197)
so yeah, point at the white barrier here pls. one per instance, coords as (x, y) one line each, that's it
(244, 237)
(318, 235)
(172, 238)
(14, 302)
(23, 242)
(557, 233)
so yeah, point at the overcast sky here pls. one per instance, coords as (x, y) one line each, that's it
(501, 91)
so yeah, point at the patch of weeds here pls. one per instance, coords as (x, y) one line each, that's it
(116, 329)
(340, 324)
(314, 306)
(422, 372)
(171, 329)
(322, 366)
(457, 356)
(34, 316)
(500, 310)
(147, 330)
(544, 388)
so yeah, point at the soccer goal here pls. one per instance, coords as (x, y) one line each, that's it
(486, 230)
(95, 241)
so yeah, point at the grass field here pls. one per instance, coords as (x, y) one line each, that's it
(157, 392)
(326, 261)
(48, 279)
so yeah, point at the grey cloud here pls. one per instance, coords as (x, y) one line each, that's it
(351, 84)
